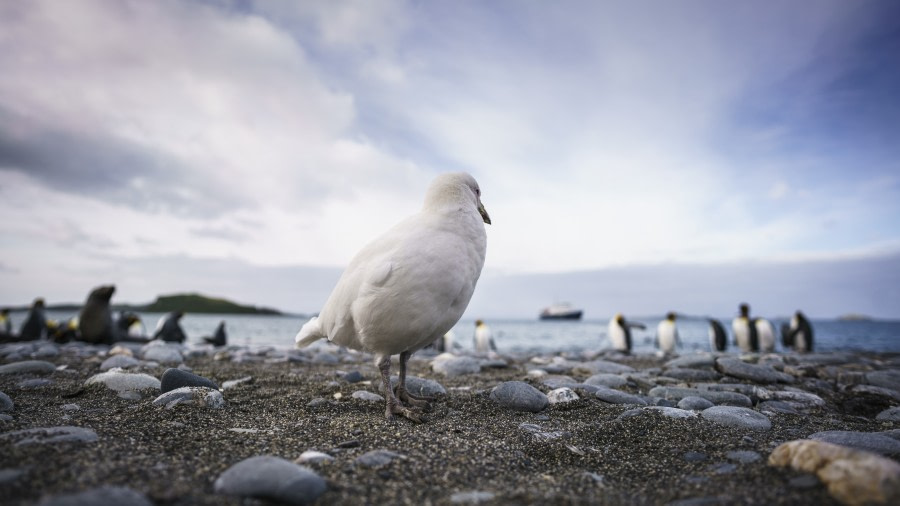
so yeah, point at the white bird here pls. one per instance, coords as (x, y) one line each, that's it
(745, 336)
(484, 338)
(410, 285)
(619, 331)
(667, 334)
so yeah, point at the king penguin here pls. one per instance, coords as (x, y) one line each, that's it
(667, 334)
(801, 333)
(745, 336)
(620, 332)
(765, 333)
(718, 340)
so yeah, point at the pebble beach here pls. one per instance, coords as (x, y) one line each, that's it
(173, 424)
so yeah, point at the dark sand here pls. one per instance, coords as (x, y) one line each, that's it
(468, 443)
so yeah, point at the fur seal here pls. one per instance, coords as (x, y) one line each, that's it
(95, 321)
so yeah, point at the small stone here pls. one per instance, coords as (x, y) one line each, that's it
(318, 401)
(119, 381)
(421, 387)
(272, 478)
(852, 476)
(6, 404)
(324, 357)
(28, 366)
(10, 475)
(473, 497)
(723, 468)
(45, 435)
(686, 374)
(70, 407)
(237, 382)
(753, 372)
(804, 482)
(888, 415)
(120, 361)
(607, 380)
(519, 396)
(562, 396)
(377, 458)
(743, 456)
(201, 396)
(694, 403)
(34, 383)
(869, 441)
(355, 377)
(313, 457)
(778, 407)
(613, 396)
(162, 353)
(694, 456)
(733, 416)
(352, 443)
(104, 495)
(601, 366)
(367, 396)
(454, 366)
(718, 398)
(129, 395)
(693, 361)
(889, 379)
(176, 378)
(662, 410)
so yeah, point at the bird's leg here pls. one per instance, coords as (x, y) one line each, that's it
(393, 405)
(403, 394)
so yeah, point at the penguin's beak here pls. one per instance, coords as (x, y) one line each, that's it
(483, 212)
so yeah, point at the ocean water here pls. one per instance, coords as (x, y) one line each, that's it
(522, 336)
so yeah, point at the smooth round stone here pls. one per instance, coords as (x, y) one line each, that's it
(743, 456)
(28, 366)
(473, 497)
(202, 396)
(176, 378)
(324, 357)
(686, 374)
(715, 397)
(693, 361)
(562, 396)
(162, 353)
(753, 372)
(694, 403)
(888, 415)
(662, 410)
(875, 442)
(602, 366)
(377, 458)
(777, 407)
(120, 381)
(365, 395)
(421, 387)
(617, 397)
(47, 435)
(723, 468)
(6, 404)
(608, 380)
(10, 475)
(694, 456)
(452, 367)
(354, 377)
(313, 457)
(733, 416)
(34, 383)
(120, 496)
(272, 478)
(519, 396)
(885, 379)
(70, 407)
(121, 361)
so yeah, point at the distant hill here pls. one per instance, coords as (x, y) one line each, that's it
(187, 302)
(196, 303)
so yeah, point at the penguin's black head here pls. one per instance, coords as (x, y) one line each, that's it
(745, 309)
(670, 316)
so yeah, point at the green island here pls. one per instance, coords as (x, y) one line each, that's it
(187, 302)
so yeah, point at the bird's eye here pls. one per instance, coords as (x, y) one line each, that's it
(478, 192)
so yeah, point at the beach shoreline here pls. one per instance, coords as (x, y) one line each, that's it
(471, 447)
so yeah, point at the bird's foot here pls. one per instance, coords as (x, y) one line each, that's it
(416, 402)
(413, 415)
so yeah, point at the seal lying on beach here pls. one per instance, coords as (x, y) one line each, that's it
(409, 286)
(95, 322)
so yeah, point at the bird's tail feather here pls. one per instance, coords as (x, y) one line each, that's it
(310, 332)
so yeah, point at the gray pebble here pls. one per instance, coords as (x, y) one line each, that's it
(121, 361)
(778, 407)
(227, 385)
(889, 379)
(318, 401)
(519, 396)
(562, 396)
(664, 411)
(313, 457)
(733, 416)
(176, 378)
(694, 403)
(28, 366)
(607, 380)
(377, 458)
(744, 456)
(757, 373)
(618, 397)
(6, 404)
(602, 366)
(868, 441)
(273, 478)
(888, 415)
(367, 396)
(722, 468)
(354, 377)
(10, 475)
(473, 497)
(419, 386)
(685, 374)
(694, 456)
(805, 481)
(121, 381)
(162, 353)
(46, 435)
(456, 366)
(718, 398)
(34, 383)
(123, 496)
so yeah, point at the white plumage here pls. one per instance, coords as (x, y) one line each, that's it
(412, 284)
(742, 334)
(765, 332)
(667, 334)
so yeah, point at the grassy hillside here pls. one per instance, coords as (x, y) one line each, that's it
(196, 303)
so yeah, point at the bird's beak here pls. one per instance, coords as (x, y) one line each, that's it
(484, 214)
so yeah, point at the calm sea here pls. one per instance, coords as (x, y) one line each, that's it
(535, 335)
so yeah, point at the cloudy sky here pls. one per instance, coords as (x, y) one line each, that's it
(248, 149)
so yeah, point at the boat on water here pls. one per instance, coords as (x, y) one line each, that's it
(563, 311)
